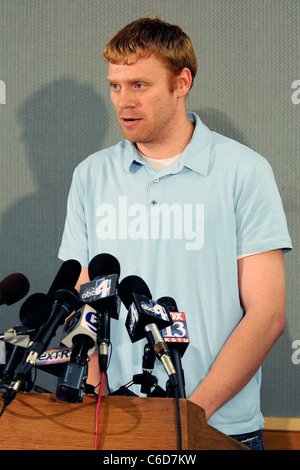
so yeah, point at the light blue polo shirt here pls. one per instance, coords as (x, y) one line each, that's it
(181, 230)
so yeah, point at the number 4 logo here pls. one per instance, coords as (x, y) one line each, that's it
(103, 288)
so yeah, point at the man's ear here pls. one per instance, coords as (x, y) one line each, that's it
(184, 82)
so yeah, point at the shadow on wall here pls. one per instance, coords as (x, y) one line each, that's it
(62, 123)
(219, 122)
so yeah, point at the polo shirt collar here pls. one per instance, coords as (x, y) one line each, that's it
(130, 155)
(196, 155)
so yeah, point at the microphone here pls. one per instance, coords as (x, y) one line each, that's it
(67, 275)
(82, 323)
(80, 335)
(30, 321)
(101, 291)
(13, 288)
(102, 294)
(20, 336)
(177, 338)
(39, 305)
(71, 383)
(145, 319)
(65, 301)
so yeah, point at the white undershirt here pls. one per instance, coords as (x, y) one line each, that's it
(156, 163)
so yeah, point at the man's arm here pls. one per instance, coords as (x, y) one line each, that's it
(83, 278)
(93, 372)
(262, 292)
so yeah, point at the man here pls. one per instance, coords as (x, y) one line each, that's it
(196, 215)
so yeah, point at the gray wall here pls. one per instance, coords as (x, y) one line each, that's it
(55, 110)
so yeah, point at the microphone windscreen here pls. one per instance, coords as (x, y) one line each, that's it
(132, 285)
(103, 265)
(169, 302)
(29, 315)
(13, 288)
(67, 275)
(68, 297)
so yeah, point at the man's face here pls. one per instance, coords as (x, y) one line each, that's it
(146, 108)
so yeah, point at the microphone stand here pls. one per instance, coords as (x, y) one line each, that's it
(103, 339)
(176, 359)
(146, 379)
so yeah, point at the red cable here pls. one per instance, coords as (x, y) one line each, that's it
(98, 411)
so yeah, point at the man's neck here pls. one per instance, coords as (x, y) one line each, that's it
(170, 147)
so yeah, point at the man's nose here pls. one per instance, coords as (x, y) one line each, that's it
(127, 98)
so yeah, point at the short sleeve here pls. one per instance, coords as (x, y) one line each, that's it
(74, 242)
(261, 223)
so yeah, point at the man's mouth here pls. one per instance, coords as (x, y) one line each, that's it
(130, 121)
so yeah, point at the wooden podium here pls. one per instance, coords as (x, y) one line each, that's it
(42, 422)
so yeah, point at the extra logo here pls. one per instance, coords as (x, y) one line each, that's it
(51, 356)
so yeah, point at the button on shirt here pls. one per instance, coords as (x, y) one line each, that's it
(181, 229)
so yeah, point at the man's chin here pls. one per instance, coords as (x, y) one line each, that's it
(132, 137)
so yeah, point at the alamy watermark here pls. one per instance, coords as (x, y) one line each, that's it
(296, 94)
(159, 221)
(2, 92)
(296, 354)
(2, 352)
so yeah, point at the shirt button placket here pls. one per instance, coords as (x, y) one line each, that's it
(152, 188)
